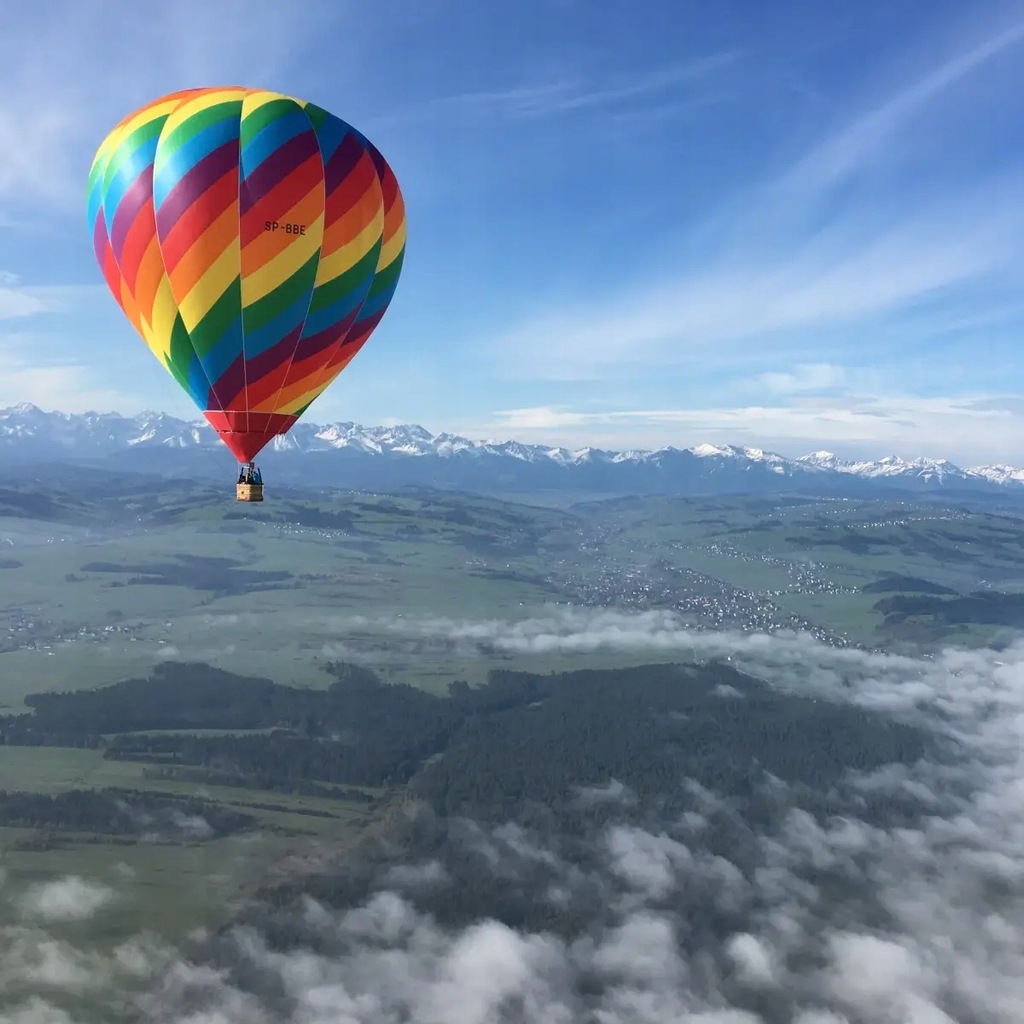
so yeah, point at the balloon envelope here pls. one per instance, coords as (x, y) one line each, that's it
(254, 241)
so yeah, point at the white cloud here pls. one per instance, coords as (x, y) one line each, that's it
(67, 899)
(19, 301)
(776, 270)
(16, 303)
(968, 429)
(645, 862)
(70, 71)
(863, 140)
(805, 377)
(754, 960)
(68, 386)
(413, 876)
(613, 792)
(823, 920)
(579, 93)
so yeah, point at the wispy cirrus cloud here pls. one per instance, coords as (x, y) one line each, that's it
(829, 281)
(575, 93)
(864, 139)
(31, 371)
(777, 268)
(59, 108)
(20, 301)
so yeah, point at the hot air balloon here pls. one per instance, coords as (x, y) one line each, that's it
(254, 241)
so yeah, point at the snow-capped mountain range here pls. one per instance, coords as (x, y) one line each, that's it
(350, 455)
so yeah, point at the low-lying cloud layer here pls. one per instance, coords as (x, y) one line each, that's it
(840, 920)
(67, 899)
(563, 630)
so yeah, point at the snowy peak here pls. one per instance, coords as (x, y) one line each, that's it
(824, 460)
(895, 466)
(732, 451)
(889, 466)
(26, 431)
(998, 474)
(23, 409)
(710, 451)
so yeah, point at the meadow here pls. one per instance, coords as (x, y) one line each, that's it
(284, 588)
(97, 590)
(167, 889)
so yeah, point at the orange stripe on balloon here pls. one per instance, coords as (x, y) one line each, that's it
(393, 218)
(205, 251)
(151, 273)
(131, 309)
(136, 240)
(258, 392)
(310, 386)
(268, 244)
(355, 220)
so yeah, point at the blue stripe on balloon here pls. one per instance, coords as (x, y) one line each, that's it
(172, 168)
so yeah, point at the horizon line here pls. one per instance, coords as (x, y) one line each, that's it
(745, 449)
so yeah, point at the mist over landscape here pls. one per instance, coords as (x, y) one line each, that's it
(902, 902)
(747, 758)
(511, 513)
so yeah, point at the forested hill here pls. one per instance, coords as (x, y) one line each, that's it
(521, 741)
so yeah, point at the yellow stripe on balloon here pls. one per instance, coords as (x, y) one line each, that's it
(202, 297)
(392, 247)
(194, 267)
(165, 310)
(257, 284)
(147, 114)
(131, 308)
(352, 252)
(311, 386)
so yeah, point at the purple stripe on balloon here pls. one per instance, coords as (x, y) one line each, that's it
(314, 345)
(99, 239)
(364, 328)
(193, 184)
(135, 198)
(343, 161)
(326, 344)
(276, 168)
(276, 358)
(230, 383)
(317, 343)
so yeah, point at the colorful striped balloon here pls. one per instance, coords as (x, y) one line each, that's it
(254, 241)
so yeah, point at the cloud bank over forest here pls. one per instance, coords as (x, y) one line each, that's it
(805, 918)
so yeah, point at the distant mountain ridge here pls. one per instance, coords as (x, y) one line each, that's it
(350, 455)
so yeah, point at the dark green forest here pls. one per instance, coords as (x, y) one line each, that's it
(490, 793)
(121, 812)
(989, 608)
(518, 747)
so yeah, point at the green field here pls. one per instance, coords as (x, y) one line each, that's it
(282, 589)
(107, 587)
(410, 585)
(813, 559)
(168, 889)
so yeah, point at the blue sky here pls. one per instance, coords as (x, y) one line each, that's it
(631, 222)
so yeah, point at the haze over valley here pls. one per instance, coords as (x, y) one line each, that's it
(511, 513)
(402, 755)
